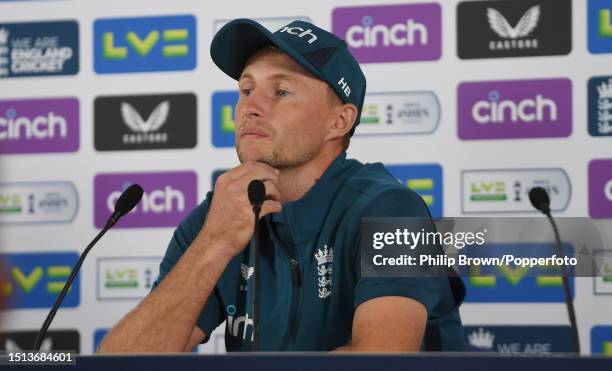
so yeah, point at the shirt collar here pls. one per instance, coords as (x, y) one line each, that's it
(305, 216)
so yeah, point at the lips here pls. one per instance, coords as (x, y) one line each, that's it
(253, 133)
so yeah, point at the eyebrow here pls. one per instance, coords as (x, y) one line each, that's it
(276, 76)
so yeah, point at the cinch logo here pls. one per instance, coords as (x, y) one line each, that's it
(399, 113)
(601, 340)
(600, 26)
(39, 49)
(39, 126)
(167, 199)
(515, 284)
(36, 202)
(35, 279)
(515, 109)
(600, 188)
(238, 326)
(425, 180)
(390, 33)
(164, 200)
(126, 278)
(145, 44)
(399, 34)
(508, 190)
(501, 28)
(497, 111)
(519, 339)
(300, 32)
(145, 122)
(600, 106)
(223, 125)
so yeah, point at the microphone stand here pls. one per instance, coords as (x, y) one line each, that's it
(257, 195)
(541, 201)
(255, 348)
(566, 288)
(43, 331)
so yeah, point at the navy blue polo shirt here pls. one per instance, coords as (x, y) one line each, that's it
(310, 279)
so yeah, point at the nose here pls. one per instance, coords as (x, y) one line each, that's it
(253, 105)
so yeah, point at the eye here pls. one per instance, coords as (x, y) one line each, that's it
(282, 93)
(246, 92)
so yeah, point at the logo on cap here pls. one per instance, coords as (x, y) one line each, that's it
(300, 32)
(346, 89)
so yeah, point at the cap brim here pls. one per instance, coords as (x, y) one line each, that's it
(236, 42)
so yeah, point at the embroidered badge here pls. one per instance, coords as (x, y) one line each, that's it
(325, 259)
(246, 271)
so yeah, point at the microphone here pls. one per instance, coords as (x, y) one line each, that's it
(126, 202)
(257, 195)
(541, 201)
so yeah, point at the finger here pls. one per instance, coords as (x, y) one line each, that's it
(270, 207)
(235, 173)
(272, 191)
(242, 169)
(265, 166)
(261, 173)
(258, 168)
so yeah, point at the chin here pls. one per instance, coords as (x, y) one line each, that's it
(251, 153)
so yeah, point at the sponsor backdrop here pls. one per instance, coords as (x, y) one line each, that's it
(469, 103)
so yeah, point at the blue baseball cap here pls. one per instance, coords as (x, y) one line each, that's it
(320, 52)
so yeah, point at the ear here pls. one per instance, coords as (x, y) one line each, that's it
(346, 115)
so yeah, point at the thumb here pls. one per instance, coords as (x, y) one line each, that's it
(270, 207)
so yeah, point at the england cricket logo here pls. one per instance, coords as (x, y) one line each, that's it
(604, 108)
(4, 52)
(325, 259)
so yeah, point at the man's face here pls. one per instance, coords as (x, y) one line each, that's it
(283, 112)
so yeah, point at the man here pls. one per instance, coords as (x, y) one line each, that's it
(301, 93)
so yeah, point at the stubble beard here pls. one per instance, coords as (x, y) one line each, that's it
(283, 157)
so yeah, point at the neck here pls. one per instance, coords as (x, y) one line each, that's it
(296, 181)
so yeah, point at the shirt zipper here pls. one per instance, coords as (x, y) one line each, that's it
(295, 272)
(295, 298)
(296, 281)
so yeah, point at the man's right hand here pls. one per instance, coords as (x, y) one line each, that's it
(229, 224)
(166, 320)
